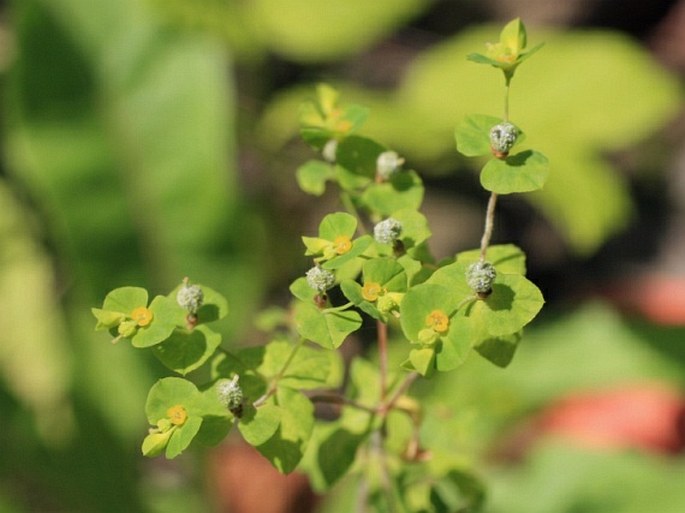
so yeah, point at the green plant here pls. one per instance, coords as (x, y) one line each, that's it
(376, 252)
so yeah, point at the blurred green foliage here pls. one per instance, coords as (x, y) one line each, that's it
(119, 167)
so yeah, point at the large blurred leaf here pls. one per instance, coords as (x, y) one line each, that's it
(120, 128)
(558, 478)
(314, 31)
(582, 94)
(35, 360)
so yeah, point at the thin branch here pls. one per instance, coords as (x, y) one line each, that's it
(399, 392)
(506, 100)
(489, 225)
(274, 381)
(339, 399)
(383, 356)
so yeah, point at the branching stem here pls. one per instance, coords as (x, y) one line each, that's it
(273, 385)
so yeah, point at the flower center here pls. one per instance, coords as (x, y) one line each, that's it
(342, 244)
(438, 321)
(142, 316)
(372, 290)
(177, 415)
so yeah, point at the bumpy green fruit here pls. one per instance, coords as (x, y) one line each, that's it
(502, 138)
(480, 277)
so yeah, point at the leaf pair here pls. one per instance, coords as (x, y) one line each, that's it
(522, 172)
(491, 325)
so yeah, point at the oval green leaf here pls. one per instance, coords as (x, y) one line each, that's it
(328, 329)
(524, 172)
(313, 175)
(473, 135)
(185, 351)
(257, 425)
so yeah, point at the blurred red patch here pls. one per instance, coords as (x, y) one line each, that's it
(643, 416)
(245, 482)
(659, 298)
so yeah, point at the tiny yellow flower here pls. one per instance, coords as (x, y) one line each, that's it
(438, 320)
(177, 415)
(371, 291)
(342, 244)
(142, 316)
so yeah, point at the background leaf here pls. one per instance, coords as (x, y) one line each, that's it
(313, 32)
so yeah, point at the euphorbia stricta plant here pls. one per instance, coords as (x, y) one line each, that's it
(376, 252)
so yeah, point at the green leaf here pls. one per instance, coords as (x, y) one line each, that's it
(185, 351)
(214, 305)
(457, 490)
(414, 227)
(473, 135)
(453, 349)
(168, 392)
(336, 225)
(166, 316)
(500, 350)
(315, 245)
(244, 363)
(507, 258)
(453, 277)
(513, 36)
(358, 247)
(353, 291)
(337, 452)
(514, 302)
(214, 430)
(357, 156)
(216, 419)
(524, 172)
(155, 443)
(482, 59)
(313, 175)
(386, 272)
(412, 268)
(286, 447)
(328, 329)
(107, 319)
(309, 368)
(302, 291)
(182, 437)
(125, 300)
(423, 360)
(419, 302)
(257, 425)
(404, 190)
(450, 348)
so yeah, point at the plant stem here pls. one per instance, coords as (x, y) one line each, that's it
(339, 399)
(273, 386)
(408, 380)
(506, 101)
(489, 224)
(340, 308)
(383, 356)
